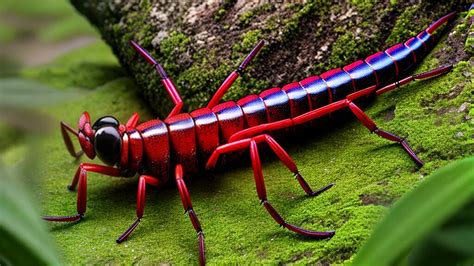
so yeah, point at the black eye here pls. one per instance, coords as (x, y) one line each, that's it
(106, 121)
(107, 144)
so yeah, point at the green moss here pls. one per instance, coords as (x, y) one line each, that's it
(176, 41)
(220, 14)
(249, 40)
(350, 47)
(469, 45)
(364, 4)
(170, 47)
(248, 16)
(222, 11)
(405, 27)
(292, 24)
(226, 202)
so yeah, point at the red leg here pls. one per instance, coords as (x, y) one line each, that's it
(67, 140)
(234, 75)
(262, 195)
(142, 182)
(370, 124)
(81, 178)
(290, 164)
(259, 182)
(277, 149)
(286, 123)
(304, 118)
(132, 121)
(188, 207)
(170, 87)
(425, 75)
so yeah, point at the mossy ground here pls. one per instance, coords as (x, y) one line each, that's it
(369, 173)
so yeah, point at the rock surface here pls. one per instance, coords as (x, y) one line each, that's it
(200, 42)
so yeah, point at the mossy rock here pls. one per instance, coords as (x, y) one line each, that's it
(201, 43)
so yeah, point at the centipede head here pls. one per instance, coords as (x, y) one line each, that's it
(103, 138)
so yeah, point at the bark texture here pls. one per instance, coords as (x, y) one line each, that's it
(200, 42)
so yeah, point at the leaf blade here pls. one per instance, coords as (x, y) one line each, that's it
(438, 197)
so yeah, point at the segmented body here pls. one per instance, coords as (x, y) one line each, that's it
(190, 138)
(189, 141)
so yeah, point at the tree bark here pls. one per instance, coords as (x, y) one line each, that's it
(200, 42)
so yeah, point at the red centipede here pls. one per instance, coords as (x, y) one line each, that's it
(184, 143)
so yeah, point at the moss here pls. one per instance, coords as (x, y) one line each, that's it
(294, 31)
(413, 19)
(469, 44)
(237, 229)
(247, 17)
(170, 47)
(350, 47)
(292, 25)
(404, 27)
(175, 41)
(220, 14)
(222, 10)
(249, 39)
(364, 4)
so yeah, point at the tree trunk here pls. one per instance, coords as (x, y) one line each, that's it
(200, 42)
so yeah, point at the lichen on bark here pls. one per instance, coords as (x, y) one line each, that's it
(200, 42)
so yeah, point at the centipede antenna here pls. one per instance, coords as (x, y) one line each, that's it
(165, 80)
(250, 56)
(65, 128)
(234, 75)
(143, 53)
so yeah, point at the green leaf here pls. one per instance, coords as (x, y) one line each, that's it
(420, 212)
(452, 244)
(24, 238)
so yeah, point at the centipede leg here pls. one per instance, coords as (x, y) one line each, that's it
(421, 76)
(142, 182)
(80, 178)
(370, 124)
(188, 207)
(290, 164)
(234, 75)
(259, 181)
(262, 195)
